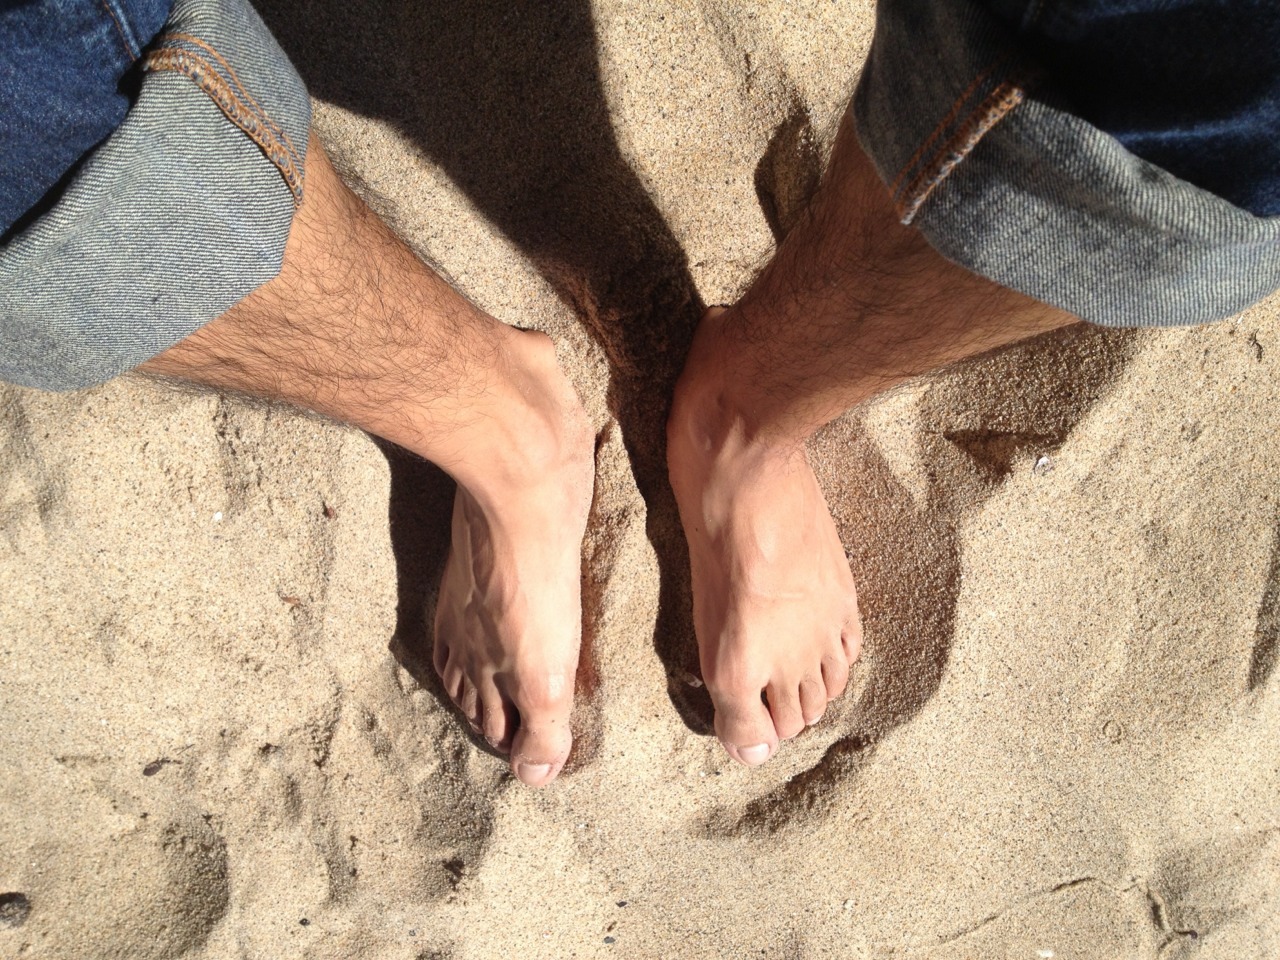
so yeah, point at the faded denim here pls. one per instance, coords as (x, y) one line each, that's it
(1065, 148)
(972, 134)
(181, 212)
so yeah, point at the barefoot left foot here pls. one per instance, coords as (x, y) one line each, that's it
(775, 609)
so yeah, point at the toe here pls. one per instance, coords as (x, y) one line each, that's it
(835, 674)
(440, 655)
(452, 678)
(469, 702)
(813, 700)
(743, 723)
(496, 722)
(851, 639)
(784, 707)
(543, 737)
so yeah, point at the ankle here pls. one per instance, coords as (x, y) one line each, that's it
(527, 430)
(715, 406)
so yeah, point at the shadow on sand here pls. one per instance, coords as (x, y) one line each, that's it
(507, 99)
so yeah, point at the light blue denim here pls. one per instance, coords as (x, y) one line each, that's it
(978, 154)
(185, 208)
(180, 213)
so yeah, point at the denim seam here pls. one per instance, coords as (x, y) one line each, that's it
(940, 129)
(253, 103)
(994, 108)
(129, 50)
(254, 122)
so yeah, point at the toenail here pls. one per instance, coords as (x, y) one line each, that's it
(814, 722)
(754, 755)
(533, 773)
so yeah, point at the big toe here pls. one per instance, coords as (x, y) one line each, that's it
(744, 725)
(543, 737)
(539, 752)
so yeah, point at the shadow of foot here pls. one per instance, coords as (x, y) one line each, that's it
(508, 100)
(899, 511)
(418, 514)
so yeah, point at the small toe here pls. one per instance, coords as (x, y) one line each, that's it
(784, 707)
(452, 679)
(743, 724)
(496, 723)
(440, 655)
(835, 674)
(851, 640)
(469, 704)
(813, 700)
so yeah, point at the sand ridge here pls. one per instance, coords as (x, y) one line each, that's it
(222, 738)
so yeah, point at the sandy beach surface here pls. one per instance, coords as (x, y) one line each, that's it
(221, 738)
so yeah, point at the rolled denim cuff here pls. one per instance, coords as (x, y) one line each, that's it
(174, 218)
(1018, 190)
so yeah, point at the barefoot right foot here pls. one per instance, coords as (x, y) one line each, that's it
(774, 605)
(356, 327)
(508, 621)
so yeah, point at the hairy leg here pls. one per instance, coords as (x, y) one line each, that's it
(852, 304)
(358, 328)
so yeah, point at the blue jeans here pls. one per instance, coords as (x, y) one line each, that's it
(163, 190)
(1103, 156)
(1116, 158)
(62, 73)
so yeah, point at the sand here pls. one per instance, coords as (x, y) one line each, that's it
(221, 737)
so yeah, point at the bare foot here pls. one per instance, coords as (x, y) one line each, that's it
(509, 618)
(774, 604)
(358, 328)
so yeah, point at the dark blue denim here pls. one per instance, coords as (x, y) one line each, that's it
(1192, 86)
(174, 216)
(63, 67)
(1021, 137)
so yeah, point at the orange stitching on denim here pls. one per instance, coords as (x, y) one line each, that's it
(219, 91)
(942, 126)
(231, 71)
(119, 29)
(257, 107)
(991, 111)
(279, 131)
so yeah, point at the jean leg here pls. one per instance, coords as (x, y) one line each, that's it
(180, 213)
(1003, 179)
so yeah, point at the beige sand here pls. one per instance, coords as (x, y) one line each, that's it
(220, 739)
